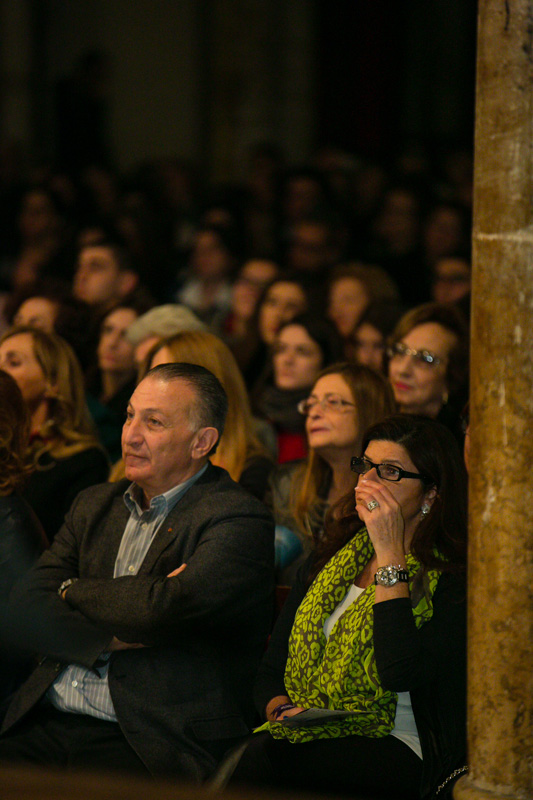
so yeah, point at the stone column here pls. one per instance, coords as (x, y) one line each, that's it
(500, 672)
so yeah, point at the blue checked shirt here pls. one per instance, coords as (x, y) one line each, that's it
(86, 691)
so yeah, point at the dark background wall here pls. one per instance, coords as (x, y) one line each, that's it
(203, 79)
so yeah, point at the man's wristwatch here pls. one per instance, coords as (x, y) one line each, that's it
(390, 575)
(65, 585)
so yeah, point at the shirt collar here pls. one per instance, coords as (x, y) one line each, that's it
(162, 502)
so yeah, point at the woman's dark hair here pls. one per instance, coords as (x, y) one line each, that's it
(322, 332)
(307, 283)
(252, 353)
(439, 540)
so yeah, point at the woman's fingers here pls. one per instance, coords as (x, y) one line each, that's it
(291, 712)
(372, 492)
(381, 513)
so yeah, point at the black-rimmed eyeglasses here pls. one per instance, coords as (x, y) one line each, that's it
(388, 472)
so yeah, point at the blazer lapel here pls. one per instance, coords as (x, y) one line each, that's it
(170, 528)
(111, 529)
(165, 536)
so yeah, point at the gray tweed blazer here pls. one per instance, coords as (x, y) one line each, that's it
(204, 630)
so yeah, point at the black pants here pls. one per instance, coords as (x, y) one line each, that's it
(354, 765)
(75, 741)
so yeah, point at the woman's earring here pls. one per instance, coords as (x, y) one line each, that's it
(425, 509)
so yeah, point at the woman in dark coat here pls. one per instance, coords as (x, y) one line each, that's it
(22, 538)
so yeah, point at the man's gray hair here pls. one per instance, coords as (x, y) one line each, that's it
(211, 408)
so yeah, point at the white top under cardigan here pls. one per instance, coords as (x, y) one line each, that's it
(404, 721)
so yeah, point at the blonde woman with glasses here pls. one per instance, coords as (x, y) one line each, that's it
(344, 400)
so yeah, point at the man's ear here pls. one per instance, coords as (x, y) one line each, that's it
(204, 441)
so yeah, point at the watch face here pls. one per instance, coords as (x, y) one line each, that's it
(387, 576)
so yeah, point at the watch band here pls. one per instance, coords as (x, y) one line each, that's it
(65, 585)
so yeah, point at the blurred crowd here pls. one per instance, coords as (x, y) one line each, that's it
(267, 281)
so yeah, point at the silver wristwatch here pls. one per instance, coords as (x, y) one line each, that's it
(390, 575)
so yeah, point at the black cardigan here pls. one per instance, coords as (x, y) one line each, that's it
(429, 662)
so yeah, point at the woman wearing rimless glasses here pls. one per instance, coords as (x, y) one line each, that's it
(428, 363)
(343, 402)
(363, 683)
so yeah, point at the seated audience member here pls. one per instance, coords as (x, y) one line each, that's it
(158, 323)
(375, 630)
(303, 194)
(37, 305)
(283, 299)
(153, 604)
(352, 288)
(63, 448)
(311, 248)
(446, 229)
(22, 538)
(344, 401)
(395, 241)
(43, 234)
(50, 306)
(369, 186)
(253, 278)
(301, 348)
(239, 449)
(111, 382)
(143, 230)
(428, 363)
(206, 289)
(451, 279)
(264, 165)
(369, 339)
(104, 276)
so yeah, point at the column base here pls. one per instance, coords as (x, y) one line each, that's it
(464, 789)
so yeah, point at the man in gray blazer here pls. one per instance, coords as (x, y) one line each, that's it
(153, 605)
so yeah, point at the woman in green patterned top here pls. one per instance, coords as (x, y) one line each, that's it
(363, 684)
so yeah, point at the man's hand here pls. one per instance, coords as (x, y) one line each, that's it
(65, 586)
(116, 645)
(176, 571)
